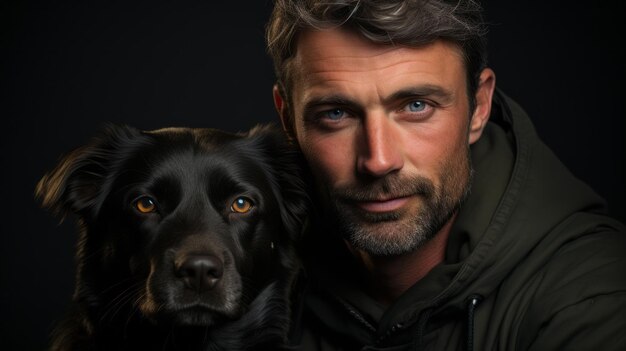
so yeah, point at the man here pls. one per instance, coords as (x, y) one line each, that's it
(443, 222)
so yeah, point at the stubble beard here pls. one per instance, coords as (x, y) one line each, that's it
(403, 231)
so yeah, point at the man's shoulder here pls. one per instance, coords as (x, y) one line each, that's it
(588, 259)
(580, 290)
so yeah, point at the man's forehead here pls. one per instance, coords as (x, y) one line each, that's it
(343, 50)
(315, 44)
(327, 60)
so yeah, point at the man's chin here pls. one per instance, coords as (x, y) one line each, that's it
(385, 236)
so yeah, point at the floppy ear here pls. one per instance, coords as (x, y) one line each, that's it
(287, 168)
(79, 182)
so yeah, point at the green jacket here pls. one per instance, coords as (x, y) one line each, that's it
(532, 263)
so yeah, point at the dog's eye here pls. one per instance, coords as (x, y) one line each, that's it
(145, 204)
(241, 205)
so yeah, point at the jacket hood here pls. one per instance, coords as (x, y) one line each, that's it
(520, 192)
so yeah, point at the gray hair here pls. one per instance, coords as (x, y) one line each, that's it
(411, 23)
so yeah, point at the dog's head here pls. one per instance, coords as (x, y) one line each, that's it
(186, 225)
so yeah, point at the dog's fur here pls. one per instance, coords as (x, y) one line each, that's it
(132, 292)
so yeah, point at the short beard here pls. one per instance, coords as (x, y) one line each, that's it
(398, 232)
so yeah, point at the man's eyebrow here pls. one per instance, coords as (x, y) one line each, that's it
(327, 100)
(428, 90)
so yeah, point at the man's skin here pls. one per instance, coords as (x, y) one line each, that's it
(364, 113)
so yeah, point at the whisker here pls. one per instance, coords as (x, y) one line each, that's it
(135, 310)
(116, 304)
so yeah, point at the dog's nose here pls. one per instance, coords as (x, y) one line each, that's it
(200, 272)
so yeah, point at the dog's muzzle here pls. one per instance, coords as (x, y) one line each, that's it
(200, 272)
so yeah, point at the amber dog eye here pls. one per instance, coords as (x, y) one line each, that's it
(145, 204)
(241, 205)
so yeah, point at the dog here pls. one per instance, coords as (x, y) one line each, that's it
(186, 238)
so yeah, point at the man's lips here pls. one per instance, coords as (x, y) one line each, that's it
(386, 205)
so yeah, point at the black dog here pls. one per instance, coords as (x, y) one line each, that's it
(186, 239)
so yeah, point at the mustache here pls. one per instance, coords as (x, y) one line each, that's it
(391, 186)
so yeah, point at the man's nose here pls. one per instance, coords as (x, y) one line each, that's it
(380, 151)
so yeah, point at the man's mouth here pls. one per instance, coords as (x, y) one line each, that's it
(383, 205)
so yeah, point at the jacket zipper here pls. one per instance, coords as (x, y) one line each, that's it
(432, 305)
(394, 328)
(359, 317)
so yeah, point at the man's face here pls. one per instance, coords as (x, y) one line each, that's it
(386, 131)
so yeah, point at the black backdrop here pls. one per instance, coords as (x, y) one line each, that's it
(68, 68)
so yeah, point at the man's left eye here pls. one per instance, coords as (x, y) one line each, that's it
(416, 106)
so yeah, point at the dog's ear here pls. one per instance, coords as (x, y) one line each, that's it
(78, 183)
(288, 169)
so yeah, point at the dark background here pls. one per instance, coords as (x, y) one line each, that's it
(68, 68)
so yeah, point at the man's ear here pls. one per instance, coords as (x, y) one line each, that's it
(484, 96)
(283, 111)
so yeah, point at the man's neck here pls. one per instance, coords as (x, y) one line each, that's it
(390, 276)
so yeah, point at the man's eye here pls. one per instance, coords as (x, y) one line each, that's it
(416, 106)
(335, 114)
